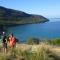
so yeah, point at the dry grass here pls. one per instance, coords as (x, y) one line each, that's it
(32, 52)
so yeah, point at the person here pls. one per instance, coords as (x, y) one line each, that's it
(12, 41)
(4, 41)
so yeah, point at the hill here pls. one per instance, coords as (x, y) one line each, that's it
(15, 17)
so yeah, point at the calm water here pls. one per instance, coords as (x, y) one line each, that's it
(49, 30)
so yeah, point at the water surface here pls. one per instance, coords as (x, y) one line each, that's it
(48, 30)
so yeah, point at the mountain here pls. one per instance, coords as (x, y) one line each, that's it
(15, 17)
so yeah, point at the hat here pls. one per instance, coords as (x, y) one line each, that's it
(4, 33)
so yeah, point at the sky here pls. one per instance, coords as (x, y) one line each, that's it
(47, 8)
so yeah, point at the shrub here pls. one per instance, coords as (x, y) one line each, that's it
(54, 41)
(33, 41)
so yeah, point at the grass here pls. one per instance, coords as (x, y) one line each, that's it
(31, 52)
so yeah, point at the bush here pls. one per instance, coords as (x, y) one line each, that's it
(33, 41)
(54, 41)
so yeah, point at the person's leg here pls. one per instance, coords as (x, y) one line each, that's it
(5, 47)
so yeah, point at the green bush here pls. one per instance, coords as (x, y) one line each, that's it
(33, 41)
(54, 41)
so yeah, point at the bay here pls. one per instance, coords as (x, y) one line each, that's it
(48, 30)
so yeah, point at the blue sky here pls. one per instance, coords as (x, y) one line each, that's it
(48, 8)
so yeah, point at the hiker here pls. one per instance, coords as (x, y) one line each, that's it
(4, 41)
(12, 41)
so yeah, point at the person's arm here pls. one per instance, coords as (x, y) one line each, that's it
(6, 39)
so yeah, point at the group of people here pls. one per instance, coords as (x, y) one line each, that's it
(12, 41)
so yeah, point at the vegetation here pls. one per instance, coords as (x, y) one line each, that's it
(33, 41)
(54, 41)
(22, 52)
(31, 51)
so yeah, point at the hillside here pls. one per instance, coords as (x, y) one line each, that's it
(31, 52)
(15, 17)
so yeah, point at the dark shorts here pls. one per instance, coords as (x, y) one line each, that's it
(4, 45)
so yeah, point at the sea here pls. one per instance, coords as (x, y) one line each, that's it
(47, 30)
